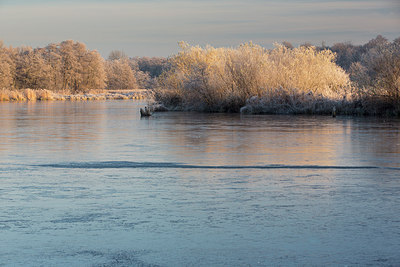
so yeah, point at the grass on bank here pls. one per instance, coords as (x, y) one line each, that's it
(47, 95)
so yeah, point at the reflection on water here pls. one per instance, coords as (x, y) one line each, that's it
(113, 131)
(91, 183)
(292, 140)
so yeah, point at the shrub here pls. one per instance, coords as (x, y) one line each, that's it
(222, 79)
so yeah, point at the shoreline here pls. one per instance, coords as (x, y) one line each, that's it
(31, 95)
(366, 107)
(253, 106)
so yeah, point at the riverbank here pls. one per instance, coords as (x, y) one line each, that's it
(47, 95)
(292, 104)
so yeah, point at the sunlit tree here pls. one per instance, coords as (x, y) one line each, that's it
(7, 67)
(53, 58)
(32, 71)
(120, 75)
(93, 71)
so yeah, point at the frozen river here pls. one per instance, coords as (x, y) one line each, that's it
(93, 184)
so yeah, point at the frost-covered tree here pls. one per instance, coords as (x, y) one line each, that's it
(376, 70)
(120, 75)
(81, 69)
(346, 54)
(152, 65)
(66, 65)
(148, 69)
(7, 67)
(54, 59)
(32, 71)
(70, 66)
(94, 74)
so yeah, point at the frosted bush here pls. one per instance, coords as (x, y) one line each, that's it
(222, 79)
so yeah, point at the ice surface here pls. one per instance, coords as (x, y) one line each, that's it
(90, 184)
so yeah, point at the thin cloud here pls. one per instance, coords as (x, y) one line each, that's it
(154, 27)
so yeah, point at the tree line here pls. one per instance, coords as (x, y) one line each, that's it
(222, 79)
(72, 66)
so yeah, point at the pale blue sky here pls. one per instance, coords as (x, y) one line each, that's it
(153, 27)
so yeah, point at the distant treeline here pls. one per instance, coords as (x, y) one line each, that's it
(350, 79)
(71, 66)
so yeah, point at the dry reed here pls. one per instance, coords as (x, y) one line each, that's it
(30, 95)
(4, 95)
(43, 95)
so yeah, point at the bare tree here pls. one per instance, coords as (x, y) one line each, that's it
(116, 55)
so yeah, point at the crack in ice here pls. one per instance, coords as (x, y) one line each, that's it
(171, 165)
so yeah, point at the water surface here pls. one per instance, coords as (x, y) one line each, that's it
(93, 184)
